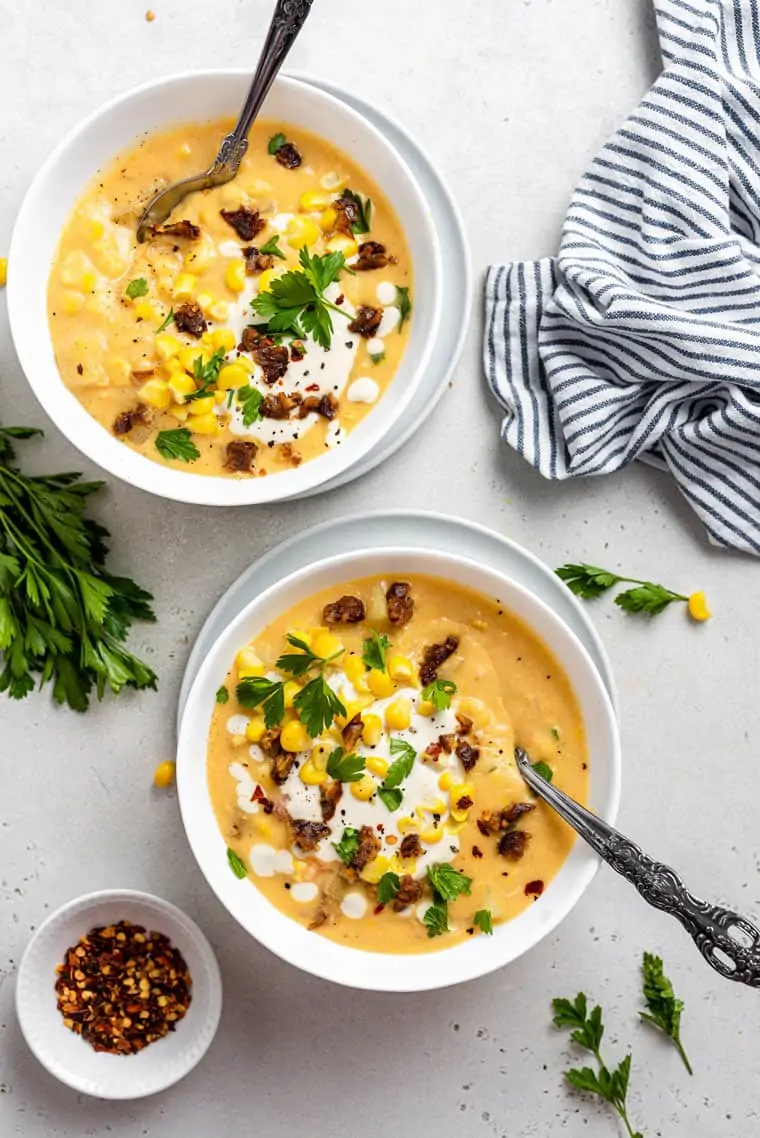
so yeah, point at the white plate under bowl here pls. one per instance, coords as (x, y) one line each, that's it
(339, 963)
(192, 97)
(402, 528)
(68, 1056)
(456, 286)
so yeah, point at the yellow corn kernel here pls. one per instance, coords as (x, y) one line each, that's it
(312, 775)
(96, 229)
(302, 231)
(180, 412)
(327, 219)
(163, 775)
(398, 715)
(295, 737)
(204, 300)
(408, 825)
(373, 729)
(333, 181)
(425, 707)
(219, 310)
(445, 780)
(72, 302)
(167, 346)
(374, 870)
(182, 385)
(88, 283)
(453, 827)
(380, 684)
(298, 634)
(353, 707)
(479, 623)
(698, 609)
(326, 644)
(342, 243)
(248, 664)
(198, 259)
(402, 865)
(364, 788)
(204, 406)
(204, 424)
(223, 338)
(290, 692)
(184, 286)
(377, 765)
(265, 279)
(234, 275)
(320, 753)
(189, 355)
(156, 392)
(219, 398)
(314, 200)
(400, 667)
(354, 668)
(432, 834)
(475, 710)
(144, 310)
(255, 729)
(119, 371)
(231, 376)
(433, 806)
(183, 150)
(238, 740)
(456, 794)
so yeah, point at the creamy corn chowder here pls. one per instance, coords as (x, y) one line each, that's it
(252, 331)
(360, 763)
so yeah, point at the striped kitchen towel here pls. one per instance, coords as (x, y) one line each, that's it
(641, 339)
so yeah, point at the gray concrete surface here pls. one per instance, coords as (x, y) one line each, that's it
(511, 100)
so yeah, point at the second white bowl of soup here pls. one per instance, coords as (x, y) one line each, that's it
(263, 339)
(346, 770)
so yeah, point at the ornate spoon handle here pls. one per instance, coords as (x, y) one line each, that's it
(288, 19)
(728, 942)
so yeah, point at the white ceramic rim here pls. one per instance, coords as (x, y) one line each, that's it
(94, 441)
(318, 955)
(27, 982)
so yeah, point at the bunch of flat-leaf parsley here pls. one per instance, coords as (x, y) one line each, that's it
(63, 617)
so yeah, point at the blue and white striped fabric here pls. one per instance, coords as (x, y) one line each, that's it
(642, 338)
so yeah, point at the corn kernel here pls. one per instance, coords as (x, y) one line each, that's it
(231, 376)
(373, 729)
(204, 424)
(180, 412)
(341, 243)
(183, 150)
(398, 715)
(156, 392)
(326, 644)
(432, 835)
(204, 406)
(96, 229)
(402, 865)
(234, 275)
(364, 788)
(238, 740)
(167, 346)
(219, 310)
(377, 765)
(333, 181)
(327, 219)
(189, 355)
(698, 609)
(425, 707)
(144, 310)
(263, 825)
(248, 664)
(445, 780)
(380, 684)
(315, 632)
(320, 753)
(265, 279)
(312, 200)
(181, 385)
(312, 775)
(290, 691)
(400, 667)
(479, 623)
(163, 775)
(354, 668)
(375, 869)
(72, 303)
(119, 371)
(295, 737)
(204, 300)
(198, 259)
(88, 283)
(184, 286)
(433, 806)
(302, 231)
(300, 634)
(475, 710)
(354, 707)
(223, 338)
(408, 825)
(255, 729)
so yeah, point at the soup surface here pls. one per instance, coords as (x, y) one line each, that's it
(253, 330)
(360, 763)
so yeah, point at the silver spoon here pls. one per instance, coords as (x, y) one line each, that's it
(728, 942)
(288, 19)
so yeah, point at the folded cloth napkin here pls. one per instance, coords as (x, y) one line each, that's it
(642, 338)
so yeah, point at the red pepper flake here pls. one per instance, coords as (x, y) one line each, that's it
(266, 804)
(313, 387)
(433, 751)
(378, 909)
(534, 888)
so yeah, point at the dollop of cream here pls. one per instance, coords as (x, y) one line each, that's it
(375, 346)
(363, 390)
(236, 724)
(266, 861)
(386, 292)
(303, 891)
(354, 905)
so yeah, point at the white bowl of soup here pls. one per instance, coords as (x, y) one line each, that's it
(346, 768)
(263, 339)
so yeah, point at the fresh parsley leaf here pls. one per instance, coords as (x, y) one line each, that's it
(390, 798)
(403, 304)
(276, 142)
(272, 248)
(364, 211)
(250, 399)
(484, 921)
(377, 357)
(402, 767)
(206, 373)
(298, 663)
(317, 705)
(177, 444)
(222, 695)
(345, 768)
(648, 598)
(554, 732)
(295, 302)
(436, 920)
(663, 1009)
(543, 769)
(375, 649)
(387, 887)
(255, 691)
(440, 692)
(447, 882)
(348, 845)
(589, 582)
(168, 319)
(137, 287)
(236, 864)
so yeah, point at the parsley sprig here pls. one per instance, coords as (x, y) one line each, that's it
(663, 1009)
(272, 248)
(348, 845)
(363, 211)
(345, 768)
(63, 617)
(399, 770)
(316, 703)
(589, 582)
(375, 650)
(250, 400)
(447, 884)
(178, 444)
(387, 887)
(484, 921)
(296, 303)
(440, 693)
(137, 287)
(587, 1031)
(206, 373)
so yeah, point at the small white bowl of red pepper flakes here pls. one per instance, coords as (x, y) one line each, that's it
(119, 994)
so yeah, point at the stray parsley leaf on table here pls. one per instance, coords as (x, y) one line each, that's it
(236, 864)
(177, 444)
(663, 1009)
(375, 649)
(589, 582)
(63, 617)
(440, 693)
(348, 845)
(387, 887)
(484, 921)
(137, 287)
(345, 768)
(295, 302)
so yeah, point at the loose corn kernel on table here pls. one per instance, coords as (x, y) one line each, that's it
(511, 116)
